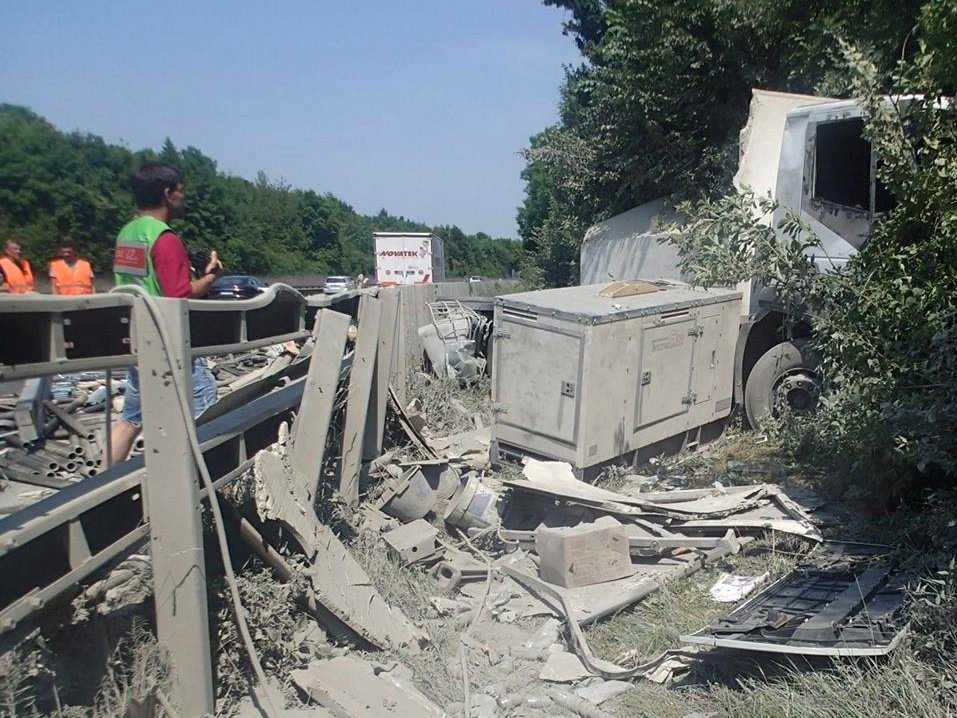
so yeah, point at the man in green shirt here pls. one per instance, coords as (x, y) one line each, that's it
(150, 255)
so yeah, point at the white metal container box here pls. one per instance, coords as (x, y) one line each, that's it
(408, 258)
(587, 379)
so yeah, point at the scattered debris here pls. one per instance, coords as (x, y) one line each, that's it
(413, 542)
(352, 688)
(585, 554)
(843, 600)
(730, 588)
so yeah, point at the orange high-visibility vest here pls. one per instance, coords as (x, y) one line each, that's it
(19, 277)
(77, 279)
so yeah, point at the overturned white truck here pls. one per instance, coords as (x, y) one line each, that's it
(677, 364)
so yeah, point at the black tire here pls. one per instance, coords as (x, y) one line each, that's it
(786, 358)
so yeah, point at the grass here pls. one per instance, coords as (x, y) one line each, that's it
(449, 406)
(683, 606)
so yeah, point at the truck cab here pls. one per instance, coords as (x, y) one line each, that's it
(810, 154)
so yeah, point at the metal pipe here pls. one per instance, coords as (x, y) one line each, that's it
(108, 407)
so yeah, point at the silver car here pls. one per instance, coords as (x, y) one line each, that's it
(337, 284)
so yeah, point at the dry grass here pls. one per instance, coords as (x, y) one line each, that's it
(435, 666)
(449, 406)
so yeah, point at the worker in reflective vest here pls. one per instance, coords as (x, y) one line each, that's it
(70, 274)
(17, 275)
(151, 256)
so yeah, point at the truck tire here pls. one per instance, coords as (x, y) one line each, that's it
(785, 373)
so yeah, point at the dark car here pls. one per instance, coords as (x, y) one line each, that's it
(236, 287)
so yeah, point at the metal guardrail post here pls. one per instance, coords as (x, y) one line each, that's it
(172, 498)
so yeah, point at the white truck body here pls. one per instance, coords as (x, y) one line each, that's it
(810, 155)
(408, 258)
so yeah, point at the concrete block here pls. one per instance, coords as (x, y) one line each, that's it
(585, 554)
(412, 542)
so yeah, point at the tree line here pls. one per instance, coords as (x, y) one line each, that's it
(56, 185)
(662, 92)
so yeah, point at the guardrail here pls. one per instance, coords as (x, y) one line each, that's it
(49, 547)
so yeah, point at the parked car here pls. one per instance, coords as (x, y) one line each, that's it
(474, 279)
(338, 284)
(240, 286)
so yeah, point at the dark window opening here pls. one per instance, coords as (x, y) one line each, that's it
(884, 201)
(842, 164)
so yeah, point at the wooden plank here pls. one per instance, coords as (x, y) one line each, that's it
(311, 427)
(379, 398)
(357, 404)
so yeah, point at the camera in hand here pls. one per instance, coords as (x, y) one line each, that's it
(199, 260)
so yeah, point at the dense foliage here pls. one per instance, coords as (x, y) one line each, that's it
(55, 185)
(656, 107)
(886, 326)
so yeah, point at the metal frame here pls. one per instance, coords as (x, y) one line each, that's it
(94, 524)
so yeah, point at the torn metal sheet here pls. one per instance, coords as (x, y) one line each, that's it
(340, 584)
(763, 506)
(470, 447)
(842, 601)
(351, 688)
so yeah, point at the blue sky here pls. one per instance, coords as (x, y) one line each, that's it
(418, 107)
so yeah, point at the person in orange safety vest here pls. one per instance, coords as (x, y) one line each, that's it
(70, 274)
(17, 275)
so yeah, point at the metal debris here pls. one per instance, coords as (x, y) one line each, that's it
(844, 600)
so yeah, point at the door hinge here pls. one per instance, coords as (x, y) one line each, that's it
(689, 399)
(498, 408)
(645, 378)
(568, 389)
(696, 331)
(501, 334)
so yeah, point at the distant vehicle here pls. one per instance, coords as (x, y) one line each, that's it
(338, 284)
(408, 258)
(475, 279)
(242, 286)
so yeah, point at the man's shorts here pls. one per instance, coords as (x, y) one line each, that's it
(204, 392)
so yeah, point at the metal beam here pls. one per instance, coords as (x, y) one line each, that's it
(176, 527)
(357, 404)
(379, 397)
(311, 427)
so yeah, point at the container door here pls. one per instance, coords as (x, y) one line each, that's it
(537, 378)
(666, 353)
(706, 359)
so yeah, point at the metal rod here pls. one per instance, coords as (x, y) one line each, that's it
(108, 408)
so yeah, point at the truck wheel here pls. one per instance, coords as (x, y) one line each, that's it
(785, 376)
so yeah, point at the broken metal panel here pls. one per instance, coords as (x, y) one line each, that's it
(171, 493)
(845, 600)
(758, 507)
(339, 583)
(29, 410)
(311, 428)
(350, 688)
(357, 405)
(385, 354)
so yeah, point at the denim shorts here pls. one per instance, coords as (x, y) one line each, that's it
(204, 392)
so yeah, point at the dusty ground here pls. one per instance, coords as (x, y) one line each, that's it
(481, 656)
